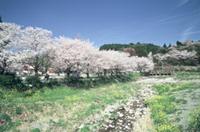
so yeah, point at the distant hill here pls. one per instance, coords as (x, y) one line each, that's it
(182, 53)
(141, 49)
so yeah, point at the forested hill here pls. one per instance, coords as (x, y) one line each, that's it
(140, 49)
(187, 51)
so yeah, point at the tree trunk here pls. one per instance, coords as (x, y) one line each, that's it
(3, 68)
(104, 72)
(36, 69)
(111, 73)
(88, 74)
(68, 71)
(36, 65)
(116, 72)
(47, 76)
(68, 74)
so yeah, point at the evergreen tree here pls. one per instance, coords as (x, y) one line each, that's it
(164, 46)
(0, 20)
(178, 43)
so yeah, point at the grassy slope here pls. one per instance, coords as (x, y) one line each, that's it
(172, 106)
(62, 108)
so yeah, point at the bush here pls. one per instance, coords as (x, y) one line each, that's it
(95, 81)
(73, 81)
(10, 81)
(52, 82)
(34, 82)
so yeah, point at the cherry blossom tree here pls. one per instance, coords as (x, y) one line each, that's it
(79, 56)
(177, 57)
(37, 48)
(9, 33)
(117, 62)
(144, 64)
(73, 55)
(34, 44)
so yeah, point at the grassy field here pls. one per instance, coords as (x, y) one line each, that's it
(61, 108)
(172, 108)
(175, 107)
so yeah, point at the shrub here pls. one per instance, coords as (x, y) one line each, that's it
(95, 81)
(34, 82)
(10, 81)
(52, 82)
(73, 81)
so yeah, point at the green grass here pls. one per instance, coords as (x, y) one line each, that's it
(194, 120)
(161, 106)
(61, 108)
(187, 75)
(167, 89)
(165, 105)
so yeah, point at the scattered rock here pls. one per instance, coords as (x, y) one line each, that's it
(2, 122)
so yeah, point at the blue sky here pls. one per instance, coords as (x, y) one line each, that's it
(109, 21)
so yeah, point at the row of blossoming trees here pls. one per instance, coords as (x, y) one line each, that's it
(36, 47)
(177, 57)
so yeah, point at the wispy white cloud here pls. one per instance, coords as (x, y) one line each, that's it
(188, 32)
(169, 19)
(180, 17)
(183, 2)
